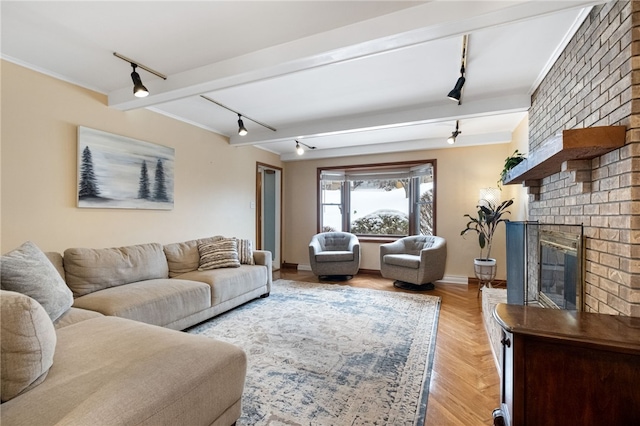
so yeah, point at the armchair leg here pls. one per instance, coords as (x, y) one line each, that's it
(413, 287)
(335, 277)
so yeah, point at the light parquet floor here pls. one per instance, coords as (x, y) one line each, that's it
(465, 385)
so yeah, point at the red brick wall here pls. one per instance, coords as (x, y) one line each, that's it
(596, 82)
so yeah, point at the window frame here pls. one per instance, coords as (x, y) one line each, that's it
(374, 167)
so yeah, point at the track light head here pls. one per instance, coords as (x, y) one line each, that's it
(456, 93)
(452, 139)
(241, 129)
(138, 88)
(300, 150)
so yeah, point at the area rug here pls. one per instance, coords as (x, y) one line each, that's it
(328, 354)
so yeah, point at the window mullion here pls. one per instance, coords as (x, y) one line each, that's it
(346, 205)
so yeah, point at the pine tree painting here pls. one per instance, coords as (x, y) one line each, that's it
(143, 191)
(160, 193)
(88, 183)
(118, 172)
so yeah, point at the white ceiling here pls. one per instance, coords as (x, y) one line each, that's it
(349, 77)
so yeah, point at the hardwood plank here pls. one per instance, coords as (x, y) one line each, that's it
(465, 385)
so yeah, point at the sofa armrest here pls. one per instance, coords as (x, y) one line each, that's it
(263, 257)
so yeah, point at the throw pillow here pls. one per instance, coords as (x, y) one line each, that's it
(27, 270)
(219, 254)
(184, 257)
(27, 341)
(245, 252)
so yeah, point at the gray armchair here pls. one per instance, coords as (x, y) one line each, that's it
(415, 262)
(334, 254)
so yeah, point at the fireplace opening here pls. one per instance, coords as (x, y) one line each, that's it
(545, 265)
(559, 270)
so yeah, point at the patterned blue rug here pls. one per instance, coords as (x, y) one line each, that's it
(327, 354)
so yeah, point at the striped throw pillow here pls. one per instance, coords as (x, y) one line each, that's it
(219, 254)
(245, 252)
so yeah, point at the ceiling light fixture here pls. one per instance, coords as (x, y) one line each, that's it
(138, 88)
(300, 150)
(241, 129)
(139, 91)
(456, 93)
(452, 139)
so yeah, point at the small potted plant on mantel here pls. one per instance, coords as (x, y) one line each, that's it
(488, 218)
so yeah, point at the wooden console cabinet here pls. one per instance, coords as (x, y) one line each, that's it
(568, 368)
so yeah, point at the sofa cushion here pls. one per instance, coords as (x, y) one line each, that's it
(184, 257)
(28, 342)
(219, 254)
(229, 283)
(89, 270)
(74, 315)
(111, 370)
(334, 256)
(56, 259)
(158, 302)
(27, 270)
(405, 260)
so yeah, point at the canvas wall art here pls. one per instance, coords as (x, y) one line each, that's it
(119, 172)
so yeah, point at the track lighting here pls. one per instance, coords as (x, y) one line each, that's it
(241, 129)
(456, 93)
(300, 150)
(138, 88)
(452, 139)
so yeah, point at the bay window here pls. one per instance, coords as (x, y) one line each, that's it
(384, 200)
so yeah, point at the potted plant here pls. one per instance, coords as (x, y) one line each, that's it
(510, 163)
(488, 218)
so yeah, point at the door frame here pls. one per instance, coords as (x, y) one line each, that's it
(259, 202)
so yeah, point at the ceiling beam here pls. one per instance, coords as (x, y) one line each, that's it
(388, 119)
(414, 145)
(408, 27)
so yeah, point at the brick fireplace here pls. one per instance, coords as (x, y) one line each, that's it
(596, 82)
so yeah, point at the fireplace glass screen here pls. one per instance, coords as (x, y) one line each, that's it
(558, 274)
(545, 265)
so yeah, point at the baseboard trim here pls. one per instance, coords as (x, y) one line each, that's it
(454, 279)
(447, 279)
(370, 272)
(494, 283)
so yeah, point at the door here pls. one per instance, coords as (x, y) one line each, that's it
(269, 211)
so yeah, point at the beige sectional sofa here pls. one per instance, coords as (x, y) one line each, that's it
(160, 285)
(104, 360)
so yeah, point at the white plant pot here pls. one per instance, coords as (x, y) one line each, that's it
(485, 270)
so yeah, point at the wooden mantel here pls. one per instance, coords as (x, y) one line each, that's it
(574, 144)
